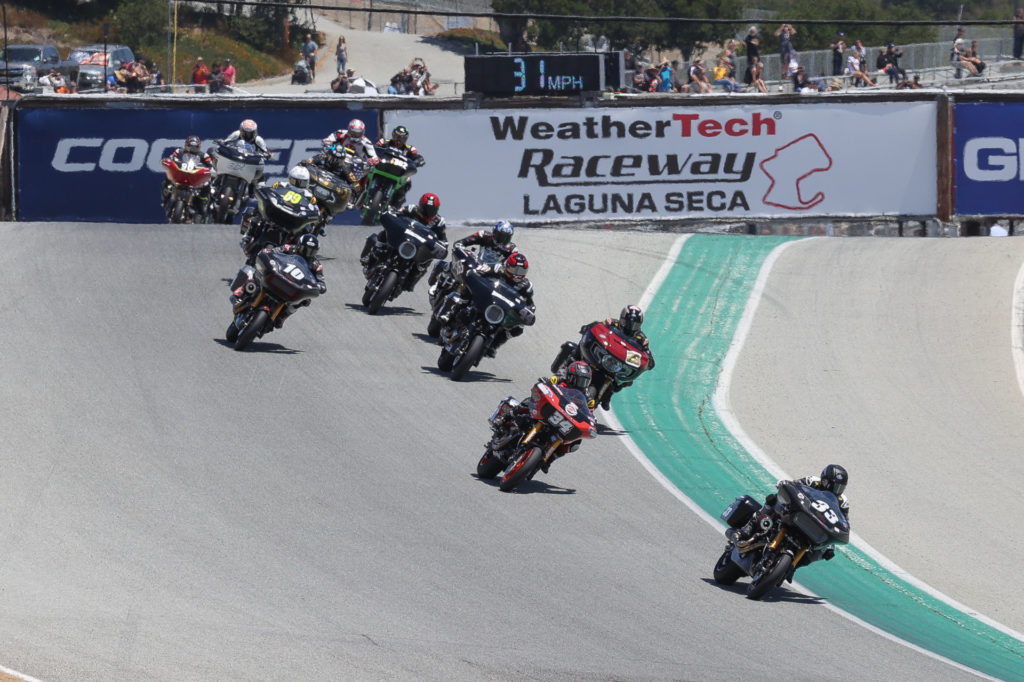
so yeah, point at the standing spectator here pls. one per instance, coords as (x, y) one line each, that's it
(1018, 32)
(838, 48)
(200, 71)
(678, 77)
(665, 78)
(753, 43)
(627, 59)
(785, 34)
(341, 54)
(229, 73)
(421, 84)
(309, 49)
(757, 74)
(215, 81)
(142, 76)
(853, 66)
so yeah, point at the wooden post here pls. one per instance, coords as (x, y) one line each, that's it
(944, 151)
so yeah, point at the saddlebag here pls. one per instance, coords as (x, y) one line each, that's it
(740, 511)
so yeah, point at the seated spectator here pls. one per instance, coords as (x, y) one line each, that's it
(156, 77)
(835, 85)
(215, 79)
(651, 80)
(973, 57)
(757, 74)
(141, 74)
(802, 83)
(853, 67)
(723, 76)
(699, 77)
(340, 84)
(121, 78)
(913, 85)
(958, 57)
(401, 83)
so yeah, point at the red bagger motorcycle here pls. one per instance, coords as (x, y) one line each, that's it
(189, 179)
(525, 441)
(613, 357)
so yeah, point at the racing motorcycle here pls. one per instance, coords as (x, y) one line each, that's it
(278, 279)
(411, 245)
(238, 166)
(473, 316)
(392, 171)
(614, 358)
(523, 443)
(331, 189)
(282, 215)
(183, 205)
(447, 276)
(804, 522)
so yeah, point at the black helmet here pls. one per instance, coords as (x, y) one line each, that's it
(400, 134)
(502, 233)
(631, 319)
(308, 246)
(834, 478)
(192, 144)
(578, 375)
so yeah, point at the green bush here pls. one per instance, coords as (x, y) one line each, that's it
(141, 21)
(489, 41)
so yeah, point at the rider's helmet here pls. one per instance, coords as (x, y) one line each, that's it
(834, 478)
(308, 246)
(298, 177)
(428, 205)
(356, 128)
(516, 267)
(578, 375)
(631, 319)
(400, 135)
(502, 233)
(192, 144)
(248, 130)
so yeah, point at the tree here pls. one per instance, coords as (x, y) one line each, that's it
(141, 22)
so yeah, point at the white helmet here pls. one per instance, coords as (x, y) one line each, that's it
(298, 177)
(356, 128)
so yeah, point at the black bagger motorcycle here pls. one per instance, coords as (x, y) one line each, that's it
(803, 523)
(472, 317)
(410, 248)
(281, 217)
(279, 279)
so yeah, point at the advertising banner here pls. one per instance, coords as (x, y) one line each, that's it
(988, 160)
(104, 164)
(716, 162)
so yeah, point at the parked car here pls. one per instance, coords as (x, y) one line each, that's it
(92, 60)
(22, 65)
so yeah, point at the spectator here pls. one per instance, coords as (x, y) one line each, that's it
(853, 66)
(753, 43)
(340, 84)
(914, 84)
(421, 84)
(651, 80)
(960, 60)
(1018, 32)
(122, 77)
(341, 54)
(142, 75)
(215, 81)
(975, 58)
(835, 85)
(838, 48)
(699, 77)
(665, 78)
(757, 74)
(229, 73)
(723, 75)
(309, 49)
(627, 60)
(801, 82)
(785, 34)
(200, 71)
(401, 83)
(678, 82)
(54, 81)
(896, 72)
(863, 55)
(156, 77)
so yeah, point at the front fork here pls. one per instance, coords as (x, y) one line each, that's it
(777, 542)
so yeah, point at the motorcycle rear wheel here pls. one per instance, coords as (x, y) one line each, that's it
(252, 329)
(727, 572)
(522, 469)
(469, 358)
(489, 466)
(764, 583)
(231, 335)
(383, 293)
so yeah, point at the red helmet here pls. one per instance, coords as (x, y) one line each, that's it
(516, 267)
(428, 206)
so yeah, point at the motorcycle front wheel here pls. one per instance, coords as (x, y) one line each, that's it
(445, 360)
(380, 297)
(469, 358)
(227, 201)
(765, 581)
(522, 469)
(252, 329)
(374, 208)
(231, 335)
(178, 212)
(434, 326)
(489, 466)
(726, 572)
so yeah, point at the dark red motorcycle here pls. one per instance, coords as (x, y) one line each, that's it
(614, 358)
(527, 440)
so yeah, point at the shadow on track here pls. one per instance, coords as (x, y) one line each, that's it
(261, 347)
(780, 594)
(471, 375)
(531, 486)
(385, 311)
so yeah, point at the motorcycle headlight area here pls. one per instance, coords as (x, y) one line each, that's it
(494, 314)
(407, 250)
(606, 360)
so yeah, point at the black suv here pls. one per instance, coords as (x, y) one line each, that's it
(92, 59)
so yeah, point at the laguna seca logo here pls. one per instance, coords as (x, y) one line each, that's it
(789, 167)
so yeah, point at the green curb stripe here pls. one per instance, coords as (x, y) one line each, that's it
(670, 416)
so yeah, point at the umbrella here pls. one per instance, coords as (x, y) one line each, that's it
(361, 86)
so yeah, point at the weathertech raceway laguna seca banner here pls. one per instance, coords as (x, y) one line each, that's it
(820, 159)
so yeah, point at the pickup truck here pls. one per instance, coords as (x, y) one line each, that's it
(22, 65)
(97, 61)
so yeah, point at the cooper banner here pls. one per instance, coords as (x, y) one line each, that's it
(731, 162)
(104, 164)
(989, 158)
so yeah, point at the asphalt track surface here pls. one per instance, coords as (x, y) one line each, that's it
(174, 510)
